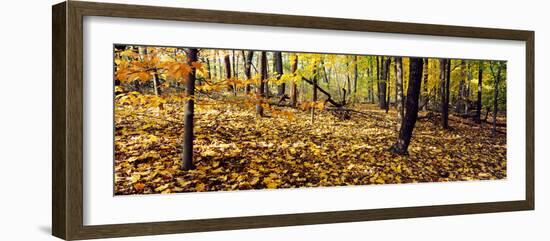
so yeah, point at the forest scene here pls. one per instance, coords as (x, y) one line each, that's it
(202, 119)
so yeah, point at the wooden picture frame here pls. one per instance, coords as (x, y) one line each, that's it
(67, 124)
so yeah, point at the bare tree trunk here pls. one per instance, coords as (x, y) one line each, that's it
(462, 88)
(382, 89)
(189, 111)
(267, 86)
(261, 90)
(444, 64)
(496, 77)
(348, 87)
(145, 51)
(378, 68)
(234, 64)
(495, 105)
(227, 62)
(355, 76)
(314, 91)
(399, 90)
(371, 85)
(388, 89)
(247, 59)
(155, 88)
(409, 120)
(293, 87)
(220, 66)
(278, 67)
(479, 88)
(467, 89)
(208, 75)
(425, 93)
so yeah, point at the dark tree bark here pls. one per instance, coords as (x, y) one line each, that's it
(233, 64)
(399, 89)
(467, 90)
(293, 87)
(314, 90)
(208, 75)
(189, 111)
(382, 86)
(344, 97)
(227, 62)
(326, 93)
(388, 90)
(355, 76)
(462, 89)
(388, 84)
(411, 114)
(447, 90)
(278, 67)
(425, 94)
(496, 77)
(479, 88)
(378, 78)
(315, 81)
(247, 60)
(261, 90)
(444, 65)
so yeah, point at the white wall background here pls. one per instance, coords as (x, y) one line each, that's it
(25, 120)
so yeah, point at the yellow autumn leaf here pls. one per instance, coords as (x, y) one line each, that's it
(134, 178)
(161, 188)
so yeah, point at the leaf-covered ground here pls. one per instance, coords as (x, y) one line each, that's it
(236, 150)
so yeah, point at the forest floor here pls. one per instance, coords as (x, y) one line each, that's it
(236, 150)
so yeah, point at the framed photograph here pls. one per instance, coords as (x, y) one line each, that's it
(171, 120)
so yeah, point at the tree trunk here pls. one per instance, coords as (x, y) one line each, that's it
(495, 98)
(399, 90)
(293, 87)
(267, 88)
(411, 114)
(378, 68)
(208, 75)
(234, 64)
(314, 91)
(247, 60)
(425, 94)
(479, 88)
(382, 83)
(189, 111)
(278, 68)
(327, 94)
(220, 67)
(387, 83)
(468, 88)
(444, 89)
(227, 62)
(371, 84)
(261, 90)
(348, 80)
(462, 88)
(355, 76)
(156, 84)
(447, 89)
(388, 90)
